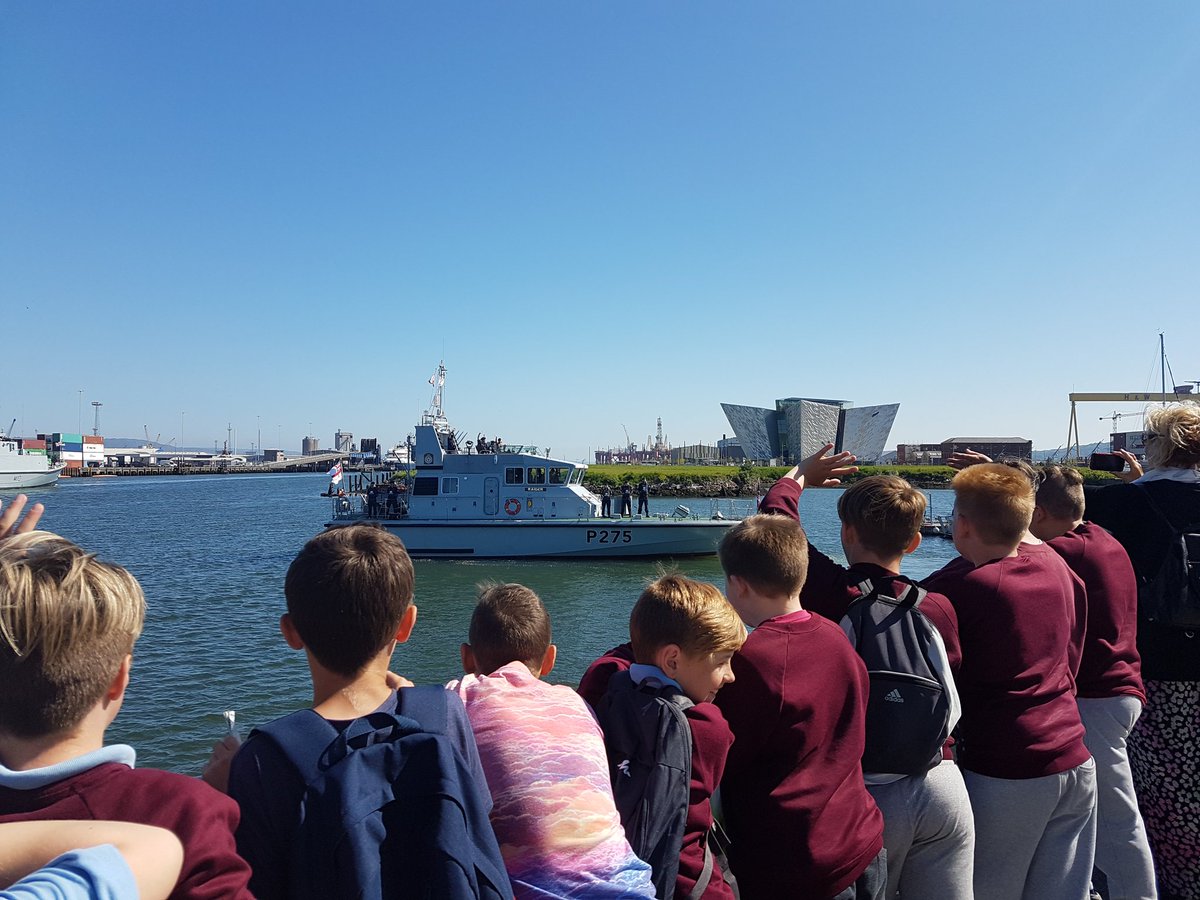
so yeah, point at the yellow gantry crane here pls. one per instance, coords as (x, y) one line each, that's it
(1131, 397)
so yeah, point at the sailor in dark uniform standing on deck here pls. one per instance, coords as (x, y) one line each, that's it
(626, 500)
(643, 498)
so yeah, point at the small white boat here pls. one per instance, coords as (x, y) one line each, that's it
(511, 502)
(20, 469)
(938, 526)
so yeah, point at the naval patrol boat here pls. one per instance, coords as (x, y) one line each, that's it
(502, 502)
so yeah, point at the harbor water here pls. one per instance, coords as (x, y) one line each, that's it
(211, 553)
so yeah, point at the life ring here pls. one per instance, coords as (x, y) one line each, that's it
(512, 506)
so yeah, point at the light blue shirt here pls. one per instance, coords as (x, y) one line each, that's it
(97, 873)
(639, 673)
(32, 779)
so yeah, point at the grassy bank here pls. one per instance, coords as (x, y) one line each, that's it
(750, 481)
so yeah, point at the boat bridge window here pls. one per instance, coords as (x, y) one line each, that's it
(449, 485)
(577, 476)
(425, 487)
(559, 475)
(537, 475)
(514, 476)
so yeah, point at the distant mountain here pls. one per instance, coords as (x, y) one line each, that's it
(126, 443)
(1085, 449)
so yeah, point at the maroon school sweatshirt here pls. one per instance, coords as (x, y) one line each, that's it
(203, 819)
(830, 587)
(798, 813)
(1110, 665)
(1021, 637)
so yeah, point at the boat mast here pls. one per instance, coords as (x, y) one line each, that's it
(434, 415)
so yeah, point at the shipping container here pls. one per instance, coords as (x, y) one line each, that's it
(35, 452)
(73, 463)
(71, 454)
(90, 455)
(72, 447)
(32, 444)
(93, 439)
(62, 437)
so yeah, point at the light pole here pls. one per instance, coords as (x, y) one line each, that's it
(259, 434)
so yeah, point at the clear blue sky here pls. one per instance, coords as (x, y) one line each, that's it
(597, 213)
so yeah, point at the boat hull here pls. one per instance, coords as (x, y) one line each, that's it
(557, 539)
(22, 480)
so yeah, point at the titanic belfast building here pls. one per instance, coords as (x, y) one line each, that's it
(800, 426)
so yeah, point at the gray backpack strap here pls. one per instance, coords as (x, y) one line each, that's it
(705, 875)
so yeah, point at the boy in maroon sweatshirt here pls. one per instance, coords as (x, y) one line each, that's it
(1109, 687)
(683, 632)
(1029, 775)
(69, 623)
(928, 830)
(798, 813)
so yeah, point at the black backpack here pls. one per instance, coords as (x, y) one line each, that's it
(649, 745)
(913, 705)
(390, 807)
(1172, 597)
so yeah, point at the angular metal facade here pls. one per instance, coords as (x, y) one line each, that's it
(865, 430)
(814, 424)
(798, 428)
(757, 429)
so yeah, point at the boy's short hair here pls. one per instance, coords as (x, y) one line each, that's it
(67, 621)
(1173, 436)
(769, 552)
(509, 624)
(692, 614)
(1060, 492)
(1023, 466)
(885, 512)
(998, 499)
(347, 591)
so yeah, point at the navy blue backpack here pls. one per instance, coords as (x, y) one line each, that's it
(649, 745)
(390, 807)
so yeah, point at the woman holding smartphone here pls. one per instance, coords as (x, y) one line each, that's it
(1146, 514)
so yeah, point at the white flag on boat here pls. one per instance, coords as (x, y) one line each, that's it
(335, 474)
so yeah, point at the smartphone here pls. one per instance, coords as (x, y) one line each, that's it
(1106, 462)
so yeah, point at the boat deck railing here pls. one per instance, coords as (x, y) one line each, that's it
(354, 507)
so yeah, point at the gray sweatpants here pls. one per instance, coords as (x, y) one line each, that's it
(928, 833)
(1122, 850)
(1035, 838)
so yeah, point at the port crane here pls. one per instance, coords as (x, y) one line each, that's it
(1181, 392)
(1130, 397)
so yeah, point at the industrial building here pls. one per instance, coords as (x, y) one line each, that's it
(800, 426)
(995, 447)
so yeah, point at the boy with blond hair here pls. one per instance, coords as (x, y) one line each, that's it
(1028, 772)
(543, 755)
(799, 816)
(928, 831)
(1109, 688)
(349, 603)
(683, 634)
(68, 623)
